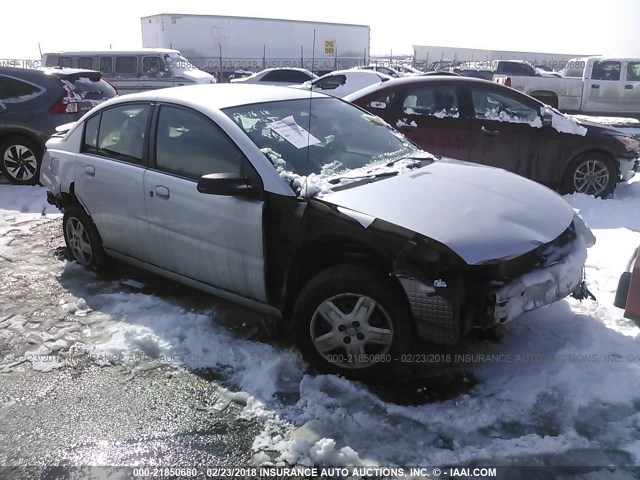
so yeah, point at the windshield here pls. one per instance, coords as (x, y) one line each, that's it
(323, 136)
(175, 60)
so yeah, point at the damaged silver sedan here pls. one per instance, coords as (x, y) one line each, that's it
(310, 209)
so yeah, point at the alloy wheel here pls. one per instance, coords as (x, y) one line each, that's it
(351, 331)
(79, 241)
(591, 177)
(20, 162)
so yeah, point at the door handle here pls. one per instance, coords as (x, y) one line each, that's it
(489, 133)
(161, 191)
(408, 128)
(595, 85)
(628, 87)
(90, 169)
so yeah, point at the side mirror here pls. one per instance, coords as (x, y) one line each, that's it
(228, 184)
(3, 108)
(547, 117)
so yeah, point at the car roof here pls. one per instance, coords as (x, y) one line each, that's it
(437, 79)
(107, 53)
(357, 71)
(425, 79)
(220, 96)
(55, 71)
(284, 68)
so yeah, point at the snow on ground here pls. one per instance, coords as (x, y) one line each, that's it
(561, 388)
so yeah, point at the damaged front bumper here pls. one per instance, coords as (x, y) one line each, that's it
(446, 310)
(628, 168)
(547, 284)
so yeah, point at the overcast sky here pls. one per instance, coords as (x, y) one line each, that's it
(554, 26)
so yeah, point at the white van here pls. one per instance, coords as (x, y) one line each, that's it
(134, 70)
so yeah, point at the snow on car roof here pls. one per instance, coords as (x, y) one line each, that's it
(220, 96)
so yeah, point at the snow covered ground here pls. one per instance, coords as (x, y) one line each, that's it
(561, 388)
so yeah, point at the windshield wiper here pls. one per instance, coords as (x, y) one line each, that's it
(360, 179)
(430, 158)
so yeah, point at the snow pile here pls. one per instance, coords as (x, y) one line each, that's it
(564, 124)
(561, 388)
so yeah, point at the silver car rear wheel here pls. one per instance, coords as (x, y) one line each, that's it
(79, 241)
(82, 238)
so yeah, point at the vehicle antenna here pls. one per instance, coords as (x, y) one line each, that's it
(313, 61)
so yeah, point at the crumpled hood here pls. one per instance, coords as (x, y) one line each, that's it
(481, 213)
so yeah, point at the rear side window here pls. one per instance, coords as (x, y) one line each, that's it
(14, 90)
(606, 70)
(437, 101)
(90, 143)
(289, 76)
(331, 83)
(633, 72)
(106, 65)
(85, 62)
(126, 65)
(88, 87)
(65, 62)
(120, 133)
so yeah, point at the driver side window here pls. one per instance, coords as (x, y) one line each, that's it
(492, 105)
(191, 145)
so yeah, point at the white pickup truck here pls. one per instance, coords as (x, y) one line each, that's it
(592, 85)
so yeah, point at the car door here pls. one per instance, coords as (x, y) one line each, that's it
(213, 239)
(604, 87)
(506, 130)
(631, 94)
(109, 178)
(429, 114)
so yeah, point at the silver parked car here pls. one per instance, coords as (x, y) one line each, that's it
(344, 82)
(302, 205)
(278, 76)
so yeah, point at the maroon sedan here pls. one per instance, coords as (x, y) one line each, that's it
(483, 122)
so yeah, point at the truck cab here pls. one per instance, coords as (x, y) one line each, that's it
(592, 85)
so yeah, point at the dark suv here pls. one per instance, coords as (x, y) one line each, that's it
(32, 104)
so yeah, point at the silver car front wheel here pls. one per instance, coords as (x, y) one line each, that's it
(351, 331)
(352, 320)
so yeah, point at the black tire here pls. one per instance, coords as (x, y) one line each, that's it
(20, 160)
(346, 287)
(79, 233)
(603, 171)
(622, 292)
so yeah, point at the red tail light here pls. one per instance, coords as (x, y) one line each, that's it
(114, 87)
(507, 82)
(64, 106)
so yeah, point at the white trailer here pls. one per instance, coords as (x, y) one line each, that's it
(223, 44)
